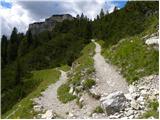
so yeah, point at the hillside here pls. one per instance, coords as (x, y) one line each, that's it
(86, 63)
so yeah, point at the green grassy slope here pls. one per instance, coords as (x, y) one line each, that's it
(132, 56)
(24, 109)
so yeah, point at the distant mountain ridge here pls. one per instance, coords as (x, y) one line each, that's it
(49, 23)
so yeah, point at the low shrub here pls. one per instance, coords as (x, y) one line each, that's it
(63, 94)
(88, 83)
(98, 109)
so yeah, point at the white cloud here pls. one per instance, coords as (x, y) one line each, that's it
(23, 13)
(14, 17)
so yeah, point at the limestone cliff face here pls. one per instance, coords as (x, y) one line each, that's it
(49, 23)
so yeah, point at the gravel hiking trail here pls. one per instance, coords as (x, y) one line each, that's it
(108, 78)
(49, 101)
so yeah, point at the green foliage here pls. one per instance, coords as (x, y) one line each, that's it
(4, 44)
(98, 109)
(12, 46)
(88, 83)
(38, 82)
(153, 110)
(134, 58)
(63, 94)
(128, 21)
(64, 68)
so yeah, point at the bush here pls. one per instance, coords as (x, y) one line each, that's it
(98, 109)
(153, 106)
(88, 83)
(63, 94)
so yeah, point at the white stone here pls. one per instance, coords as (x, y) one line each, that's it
(124, 118)
(152, 97)
(74, 93)
(144, 92)
(152, 40)
(132, 88)
(135, 105)
(70, 114)
(128, 96)
(81, 99)
(135, 95)
(113, 117)
(143, 88)
(37, 108)
(71, 90)
(140, 99)
(130, 112)
(131, 117)
(47, 115)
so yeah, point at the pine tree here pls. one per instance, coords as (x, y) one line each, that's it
(107, 12)
(29, 38)
(77, 16)
(13, 46)
(101, 13)
(4, 44)
(18, 72)
(82, 16)
(97, 17)
(115, 9)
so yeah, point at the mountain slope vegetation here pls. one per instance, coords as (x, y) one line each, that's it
(22, 54)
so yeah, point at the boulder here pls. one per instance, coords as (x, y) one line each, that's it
(114, 102)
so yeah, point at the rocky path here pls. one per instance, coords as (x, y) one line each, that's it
(49, 101)
(108, 79)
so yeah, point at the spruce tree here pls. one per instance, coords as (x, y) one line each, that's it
(4, 44)
(12, 46)
(101, 13)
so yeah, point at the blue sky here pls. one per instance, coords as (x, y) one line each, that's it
(6, 4)
(21, 13)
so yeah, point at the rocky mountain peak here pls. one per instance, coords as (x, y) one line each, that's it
(49, 23)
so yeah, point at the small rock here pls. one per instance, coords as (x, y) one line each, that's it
(152, 97)
(113, 117)
(140, 99)
(48, 115)
(128, 96)
(130, 112)
(125, 118)
(135, 95)
(131, 117)
(70, 114)
(135, 105)
(71, 90)
(144, 92)
(37, 108)
(74, 93)
(143, 88)
(132, 88)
